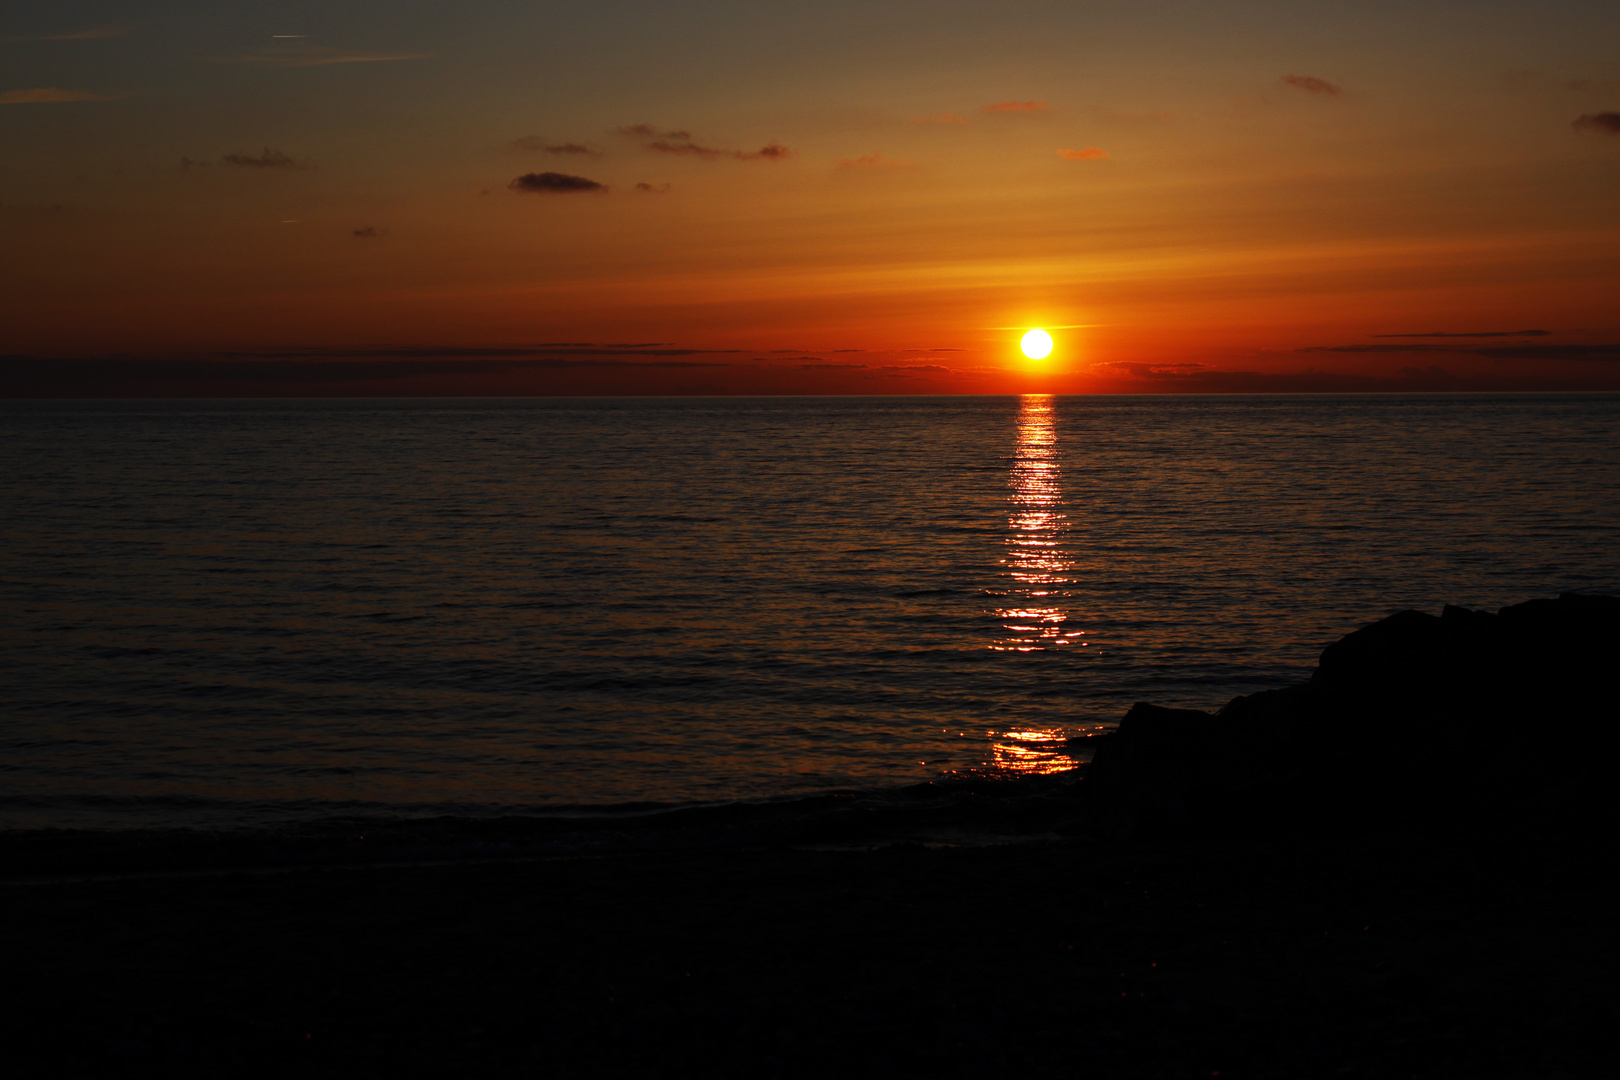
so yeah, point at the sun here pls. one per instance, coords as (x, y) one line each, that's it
(1037, 344)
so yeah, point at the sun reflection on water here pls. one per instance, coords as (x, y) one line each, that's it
(1032, 615)
(1036, 562)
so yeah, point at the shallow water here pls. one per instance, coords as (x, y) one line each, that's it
(237, 613)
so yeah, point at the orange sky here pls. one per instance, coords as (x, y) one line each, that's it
(830, 198)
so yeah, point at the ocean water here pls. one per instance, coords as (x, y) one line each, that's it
(229, 613)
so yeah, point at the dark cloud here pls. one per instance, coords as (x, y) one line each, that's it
(683, 143)
(269, 159)
(1312, 85)
(1597, 353)
(1608, 122)
(95, 33)
(34, 377)
(833, 367)
(848, 350)
(554, 183)
(912, 367)
(536, 143)
(51, 95)
(1479, 334)
(653, 189)
(368, 233)
(566, 348)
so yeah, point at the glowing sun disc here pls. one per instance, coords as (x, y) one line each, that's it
(1037, 344)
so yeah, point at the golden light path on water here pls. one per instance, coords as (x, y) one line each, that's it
(1033, 615)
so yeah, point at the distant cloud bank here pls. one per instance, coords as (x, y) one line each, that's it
(95, 33)
(536, 143)
(1312, 85)
(1607, 122)
(684, 143)
(873, 161)
(301, 55)
(554, 183)
(268, 159)
(43, 95)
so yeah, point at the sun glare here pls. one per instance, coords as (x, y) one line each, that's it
(1037, 344)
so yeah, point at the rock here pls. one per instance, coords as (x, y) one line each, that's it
(1411, 713)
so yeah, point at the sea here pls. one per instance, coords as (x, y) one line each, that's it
(234, 614)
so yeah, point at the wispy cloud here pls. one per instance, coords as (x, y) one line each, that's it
(940, 118)
(684, 143)
(95, 33)
(873, 161)
(1089, 153)
(545, 146)
(47, 95)
(370, 232)
(1592, 353)
(267, 159)
(555, 183)
(1015, 107)
(301, 55)
(1608, 122)
(1312, 85)
(653, 189)
(1135, 116)
(1475, 334)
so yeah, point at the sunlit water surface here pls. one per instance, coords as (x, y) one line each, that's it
(250, 612)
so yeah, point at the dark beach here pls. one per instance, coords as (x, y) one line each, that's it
(1463, 931)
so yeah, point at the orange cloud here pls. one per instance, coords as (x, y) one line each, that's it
(44, 94)
(1312, 85)
(1090, 153)
(1016, 106)
(873, 161)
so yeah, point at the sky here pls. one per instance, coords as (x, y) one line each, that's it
(636, 197)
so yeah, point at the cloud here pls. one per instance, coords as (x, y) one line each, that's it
(940, 118)
(653, 189)
(1312, 85)
(1135, 116)
(43, 95)
(554, 183)
(683, 143)
(436, 352)
(95, 33)
(368, 233)
(873, 161)
(911, 367)
(301, 55)
(1090, 153)
(1479, 334)
(269, 159)
(1587, 353)
(833, 367)
(1015, 107)
(1608, 122)
(535, 142)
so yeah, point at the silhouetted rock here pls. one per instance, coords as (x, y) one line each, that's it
(1408, 714)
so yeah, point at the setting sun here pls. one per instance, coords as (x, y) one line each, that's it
(1037, 344)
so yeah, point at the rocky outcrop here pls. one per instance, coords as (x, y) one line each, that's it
(1413, 712)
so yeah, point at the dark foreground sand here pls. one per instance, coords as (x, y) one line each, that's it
(1441, 949)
